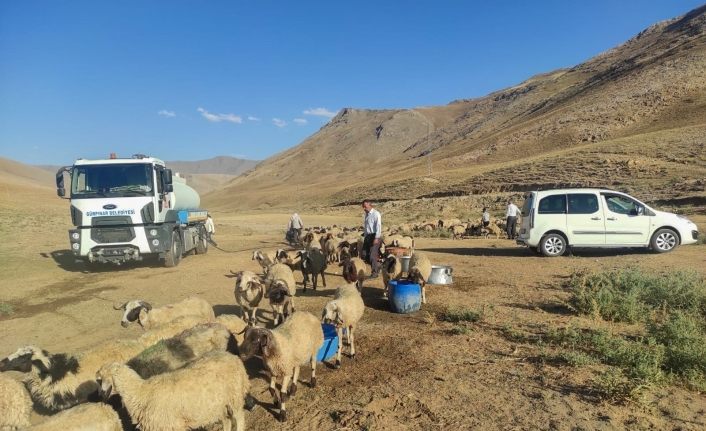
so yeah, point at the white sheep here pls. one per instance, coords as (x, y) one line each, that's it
(284, 350)
(189, 345)
(344, 312)
(208, 391)
(249, 291)
(234, 324)
(457, 231)
(15, 404)
(391, 270)
(355, 270)
(149, 317)
(170, 329)
(264, 259)
(419, 272)
(92, 416)
(403, 242)
(281, 299)
(331, 248)
(60, 381)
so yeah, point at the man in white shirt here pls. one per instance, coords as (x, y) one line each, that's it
(512, 213)
(486, 217)
(296, 225)
(210, 229)
(372, 225)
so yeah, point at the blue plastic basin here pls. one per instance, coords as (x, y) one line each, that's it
(330, 347)
(404, 296)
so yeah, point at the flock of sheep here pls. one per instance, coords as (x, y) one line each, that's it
(186, 370)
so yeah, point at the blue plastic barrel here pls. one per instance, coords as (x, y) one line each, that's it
(330, 347)
(404, 296)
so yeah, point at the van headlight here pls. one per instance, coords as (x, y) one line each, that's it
(75, 246)
(153, 232)
(75, 236)
(155, 242)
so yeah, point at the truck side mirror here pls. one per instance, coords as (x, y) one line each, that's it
(60, 190)
(168, 186)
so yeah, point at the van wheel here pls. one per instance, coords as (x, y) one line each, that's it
(553, 245)
(173, 256)
(664, 240)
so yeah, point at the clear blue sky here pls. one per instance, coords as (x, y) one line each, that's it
(180, 79)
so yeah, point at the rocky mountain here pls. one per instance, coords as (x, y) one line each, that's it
(631, 118)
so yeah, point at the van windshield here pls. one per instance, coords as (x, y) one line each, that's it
(114, 180)
(527, 206)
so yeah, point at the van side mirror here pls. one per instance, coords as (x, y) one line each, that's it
(640, 210)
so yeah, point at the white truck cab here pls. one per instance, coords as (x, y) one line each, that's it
(554, 220)
(124, 209)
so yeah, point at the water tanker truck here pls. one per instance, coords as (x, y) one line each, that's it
(126, 209)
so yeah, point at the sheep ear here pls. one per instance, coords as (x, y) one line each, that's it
(265, 344)
(146, 305)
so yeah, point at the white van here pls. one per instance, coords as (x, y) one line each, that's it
(554, 220)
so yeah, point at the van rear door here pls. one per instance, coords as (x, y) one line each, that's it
(584, 219)
(527, 215)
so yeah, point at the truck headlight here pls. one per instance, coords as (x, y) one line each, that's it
(155, 242)
(75, 236)
(75, 246)
(153, 232)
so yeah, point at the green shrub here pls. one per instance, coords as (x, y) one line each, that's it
(684, 338)
(628, 295)
(614, 386)
(456, 315)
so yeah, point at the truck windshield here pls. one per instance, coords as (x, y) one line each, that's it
(114, 180)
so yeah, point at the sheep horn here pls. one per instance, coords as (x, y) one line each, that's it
(122, 307)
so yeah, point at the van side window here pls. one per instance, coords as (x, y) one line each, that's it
(583, 203)
(621, 205)
(555, 204)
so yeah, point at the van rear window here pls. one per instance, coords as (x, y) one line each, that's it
(527, 206)
(555, 204)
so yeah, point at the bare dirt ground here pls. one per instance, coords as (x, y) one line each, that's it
(411, 372)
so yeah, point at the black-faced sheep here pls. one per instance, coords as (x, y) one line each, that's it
(149, 317)
(313, 262)
(15, 404)
(284, 350)
(355, 270)
(92, 416)
(419, 272)
(279, 276)
(211, 390)
(249, 291)
(391, 270)
(344, 312)
(60, 381)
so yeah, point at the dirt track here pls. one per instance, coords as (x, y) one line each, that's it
(411, 371)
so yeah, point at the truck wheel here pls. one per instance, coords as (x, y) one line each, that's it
(173, 255)
(664, 240)
(202, 244)
(553, 245)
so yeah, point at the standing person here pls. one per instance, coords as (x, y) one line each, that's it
(210, 229)
(296, 225)
(485, 217)
(511, 213)
(372, 225)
